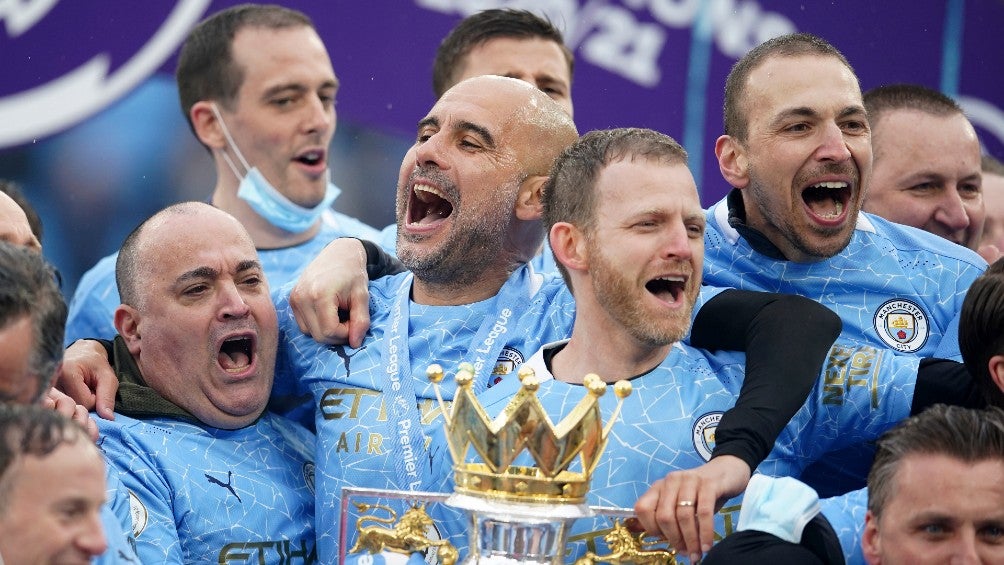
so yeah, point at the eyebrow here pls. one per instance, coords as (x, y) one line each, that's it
(806, 112)
(297, 87)
(462, 126)
(197, 274)
(248, 265)
(201, 273)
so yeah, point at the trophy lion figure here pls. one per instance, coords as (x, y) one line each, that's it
(407, 536)
(627, 548)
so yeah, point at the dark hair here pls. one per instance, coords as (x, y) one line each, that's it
(12, 189)
(981, 329)
(570, 192)
(960, 433)
(34, 431)
(908, 96)
(28, 287)
(127, 263)
(206, 68)
(483, 26)
(992, 165)
(791, 45)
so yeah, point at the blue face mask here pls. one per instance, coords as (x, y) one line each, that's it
(266, 200)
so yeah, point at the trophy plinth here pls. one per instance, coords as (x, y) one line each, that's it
(504, 533)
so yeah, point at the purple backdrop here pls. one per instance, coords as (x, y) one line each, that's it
(652, 63)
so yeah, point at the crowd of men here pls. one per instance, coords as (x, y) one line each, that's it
(249, 357)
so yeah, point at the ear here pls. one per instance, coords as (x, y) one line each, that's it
(996, 368)
(732, 161)
(568, 244)
(871, 540)
(127, 322)
(207, 125)
(528, 200)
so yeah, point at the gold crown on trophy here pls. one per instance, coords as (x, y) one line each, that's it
(525, 425)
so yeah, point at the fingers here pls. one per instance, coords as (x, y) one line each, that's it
(106, 385)
(316, 313)
(645, 508)
(707, 504)
(70, 379)
(334, 283)
(359, 315)
(63, 404)
(668, 509)
(679, 521)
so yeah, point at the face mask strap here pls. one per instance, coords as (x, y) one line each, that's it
(230, 141)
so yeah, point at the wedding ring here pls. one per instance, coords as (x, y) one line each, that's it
(685, 503)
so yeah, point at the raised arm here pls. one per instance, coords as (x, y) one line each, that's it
(331, 297)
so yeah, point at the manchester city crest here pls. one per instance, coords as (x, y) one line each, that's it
(902, 325)
(704, 433)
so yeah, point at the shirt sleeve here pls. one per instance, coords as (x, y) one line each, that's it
(786, 339)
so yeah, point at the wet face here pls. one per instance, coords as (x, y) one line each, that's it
(14, 227)
(993, 202)
(927, 174)
(646, 249)
(941, 510)
(537, 61)
(204, 330)
(283, 117)
(52, 512)
(807, 153)
(458, 182)
(18, 383)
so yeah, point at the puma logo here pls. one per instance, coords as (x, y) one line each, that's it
(227, 485)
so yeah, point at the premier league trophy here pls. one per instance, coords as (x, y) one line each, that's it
(521, 514)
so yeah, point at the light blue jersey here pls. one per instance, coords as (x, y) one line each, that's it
(668, 424)
(374, 405)
(205, 495)
(92, 309)
(846, 513)
(117, 523)
(894, 287)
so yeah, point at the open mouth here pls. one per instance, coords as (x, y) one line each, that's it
(310, 158)
(669, 289)
(236, 354)
(827, 200)
(427, 205)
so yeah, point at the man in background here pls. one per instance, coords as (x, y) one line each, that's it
(52, 477)
(257, 88)
(926, 171)
(797, 148)
(993, 204)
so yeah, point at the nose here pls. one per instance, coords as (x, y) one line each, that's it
(832, 144)
(232, 303)
(320, 115)
(92, 539)
(431, 151)
(676, 243)
(964, 551)
(951, 212)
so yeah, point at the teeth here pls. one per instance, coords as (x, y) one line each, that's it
(430, 190)
(838, 209)
(674, 278)
(830, 184)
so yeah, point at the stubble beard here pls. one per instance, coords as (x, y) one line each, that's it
(619, 298)
(834, 241)
(473, 246)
